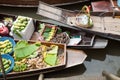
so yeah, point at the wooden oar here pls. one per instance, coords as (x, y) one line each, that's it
(110, 76)
(41, 76)
(2, 67)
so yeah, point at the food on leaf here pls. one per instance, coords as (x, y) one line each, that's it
(48, 32)
(35, 55)
(51, 56)
(25, 50)
(41, 27)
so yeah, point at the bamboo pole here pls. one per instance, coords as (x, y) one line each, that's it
(2, 67)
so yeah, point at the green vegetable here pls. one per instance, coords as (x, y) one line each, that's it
(6, 64)
(41, 26)
(47, 29)
(20, 25)
(59, 30)
(54, 50)
(35, 54)
(21, 44)
(17, 33)
(48, 33)
(51, 56)
(5, 46)
(20, 67)
(25, 50)
(50, 59)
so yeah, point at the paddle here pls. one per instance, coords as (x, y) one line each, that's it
(1, 66)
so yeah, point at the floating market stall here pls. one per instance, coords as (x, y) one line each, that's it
(31, 46)
(104, 24)
(41, 31)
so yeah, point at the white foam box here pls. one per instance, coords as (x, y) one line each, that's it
(25, 33)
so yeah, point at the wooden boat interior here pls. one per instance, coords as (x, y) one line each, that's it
(79, 55)
(88, 40)
(84, 40)
(105, 24)
(62, 56)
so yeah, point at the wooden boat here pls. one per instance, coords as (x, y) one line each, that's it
(62, 53)
(74, 57)
(86, 41)
(89, 41)
(97, 6)
(107, 6)
(34, 3)
(103, 22)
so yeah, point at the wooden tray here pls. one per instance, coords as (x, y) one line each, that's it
(49, 26)
(62, 65)
(74, 57)
(86, 42)
(103, 23)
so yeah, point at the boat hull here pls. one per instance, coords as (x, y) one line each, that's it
(73, 57)
(104, 23)
(34, 3)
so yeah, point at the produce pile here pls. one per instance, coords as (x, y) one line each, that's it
(31, 55)
(61, 38)
(52, 33)
(55, 34)
(34, 56)
(47, 32)
(5, 25)
(20, 25)
(6, 64)
(5, 47)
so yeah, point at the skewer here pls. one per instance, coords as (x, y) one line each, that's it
(2, 67)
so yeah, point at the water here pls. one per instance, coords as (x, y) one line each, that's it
(118, 3)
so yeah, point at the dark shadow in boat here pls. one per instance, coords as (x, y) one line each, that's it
(101, 54)
(26, 78)
(115, 50)
(96, 54)
(73, 71)
(76, 6)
